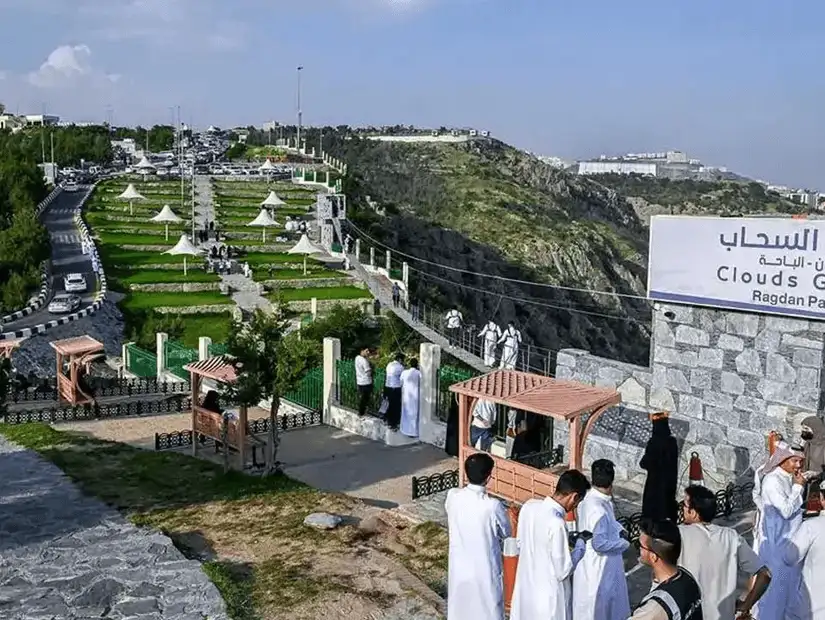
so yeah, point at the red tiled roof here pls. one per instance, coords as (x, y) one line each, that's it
(538, 394)
(216, 368)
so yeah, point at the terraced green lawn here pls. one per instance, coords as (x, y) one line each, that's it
(214, 326)
(148, 301)
(331, 292)
(116, 256)
(110, 238)
(274, 258)
(298, 274)
(162, 276)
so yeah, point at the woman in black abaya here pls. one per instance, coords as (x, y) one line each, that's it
(661, 461)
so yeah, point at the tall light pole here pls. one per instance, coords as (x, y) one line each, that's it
(300, 112)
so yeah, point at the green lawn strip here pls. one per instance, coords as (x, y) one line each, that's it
(256, 204)
(298, 274)
(240, 217)
(115, 255)
(331, 292)
(132, 239)
(131, 228)
(161, 276)
(147, 301)
(214, 326)
(274, 258)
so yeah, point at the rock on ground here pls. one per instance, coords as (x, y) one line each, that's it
(35, 355)
(322, 521)
(66, 555)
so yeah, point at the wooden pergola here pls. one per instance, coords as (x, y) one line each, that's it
(8, 347)
(578, 404)
(230, 433)
(77, 353)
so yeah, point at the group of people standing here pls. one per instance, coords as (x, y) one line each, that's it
(579, 573)
(492, 336)
(399, 406)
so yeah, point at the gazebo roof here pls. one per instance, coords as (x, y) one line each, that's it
(562, 400)
(272, 200)
(130, 193)
(183, 246)
(144, 163)
(215, 368)
(305, 246)
(263, 219)
(79, 345)
(267, 165)
(10, 344)
(166, 215)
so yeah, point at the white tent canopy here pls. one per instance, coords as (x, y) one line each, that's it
(267, 166)
(166, 216)
(263, 220)
(130, 193)
(144, 164)
(305, 247)
(272, 200)
(183, 247)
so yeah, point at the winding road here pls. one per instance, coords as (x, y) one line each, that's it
(67, 256)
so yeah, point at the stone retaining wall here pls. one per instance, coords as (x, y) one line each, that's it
(274, 285)
(327, 304)
(176, 287)
(213, 309)
(728, 378)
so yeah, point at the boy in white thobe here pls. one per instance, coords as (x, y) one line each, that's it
(807, 546)
(599, 583)
(542, 588)
(477, 526)
(410, 399)
(781, 516)
(511, 338)
(491, 333)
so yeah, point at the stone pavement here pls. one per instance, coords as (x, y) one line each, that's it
(65, 555)
(245, 293)
(204, 209)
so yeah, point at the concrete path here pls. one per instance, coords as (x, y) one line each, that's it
(66, 555)
(245, 293)
(204, 209)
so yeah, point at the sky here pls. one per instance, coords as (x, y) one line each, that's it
(738, 83)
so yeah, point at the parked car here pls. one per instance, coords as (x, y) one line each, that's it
(63, 304)
(70, 186)
(75, 283)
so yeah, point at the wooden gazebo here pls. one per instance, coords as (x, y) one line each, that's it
(578, 404)
(230, 433)
(7, 347)
(77, 354)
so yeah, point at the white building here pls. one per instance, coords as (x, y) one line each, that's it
(617, 167)
(127, 145)
(42, 119)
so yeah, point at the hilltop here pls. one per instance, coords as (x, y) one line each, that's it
(657, 196)
(484, 207)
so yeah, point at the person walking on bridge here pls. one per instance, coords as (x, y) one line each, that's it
(511, 339)
(491, 334)
(454, 321)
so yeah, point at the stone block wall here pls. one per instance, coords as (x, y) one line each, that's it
(728, 378)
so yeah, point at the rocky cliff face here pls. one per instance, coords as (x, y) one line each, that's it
(486, 209)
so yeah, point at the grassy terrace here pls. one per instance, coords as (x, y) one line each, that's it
(161, 276)
(298, 274)
(148, 301)
(266, 564)
(321, 292)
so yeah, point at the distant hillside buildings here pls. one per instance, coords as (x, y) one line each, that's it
(670, 164)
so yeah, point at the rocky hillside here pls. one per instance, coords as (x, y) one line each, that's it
(654, 196)
(484, 207)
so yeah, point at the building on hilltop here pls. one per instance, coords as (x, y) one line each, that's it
(674, 165)
(42, 119)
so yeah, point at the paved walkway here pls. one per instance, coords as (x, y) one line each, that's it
(65, 555)
(204, 209)
(245, 293)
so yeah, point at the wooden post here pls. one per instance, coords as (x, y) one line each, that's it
(73, 379)
(575, 441)
(242, 417)
(194, 381)
(463, 439)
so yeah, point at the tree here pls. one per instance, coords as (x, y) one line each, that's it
(269, 363)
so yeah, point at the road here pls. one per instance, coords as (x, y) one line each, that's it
(67, 255)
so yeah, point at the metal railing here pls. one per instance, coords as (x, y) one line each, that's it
(93, 411)
(447, 376)
(216, 349)
(101, 387)
(529, 357)
(348, 396)
(178, 356)
(310, 391)
(140, 362)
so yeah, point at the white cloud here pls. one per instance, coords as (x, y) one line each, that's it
(69, 65)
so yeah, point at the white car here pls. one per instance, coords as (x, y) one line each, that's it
(74, 283)
(62, 304)
(70, 186)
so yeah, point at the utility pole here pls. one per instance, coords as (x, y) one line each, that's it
(300, 112)
(43, 132)
(321, 145)
(179, 136)
(51, 135)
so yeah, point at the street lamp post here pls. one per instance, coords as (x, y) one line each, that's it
(300, 112)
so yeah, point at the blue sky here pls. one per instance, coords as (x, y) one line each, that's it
(737, 83)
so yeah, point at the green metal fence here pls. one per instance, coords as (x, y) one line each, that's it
(310, 392)
(178, 356)
(216, 349)
(140, 362)
(447, 376)
(348, 389)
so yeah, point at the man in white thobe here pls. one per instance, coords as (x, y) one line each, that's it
(481, 426)
(511, 339)
(716, 556)
(599, 583)
(807, 547)
(542, 590)
(477, 526)
(781, 498)
(491, 333)
(410, 396)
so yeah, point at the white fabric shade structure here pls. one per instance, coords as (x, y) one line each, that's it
(144, 165)
(272, 200)
(185, 248)
(131, 194)
(167, 216)
(264, 220)
(307, 248)
(267, 166)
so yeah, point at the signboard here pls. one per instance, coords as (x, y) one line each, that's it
(752, 264)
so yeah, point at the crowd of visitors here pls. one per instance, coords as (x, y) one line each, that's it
(399, 406)
(572, 549)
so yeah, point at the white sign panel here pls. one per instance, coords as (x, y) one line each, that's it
(752, 264)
